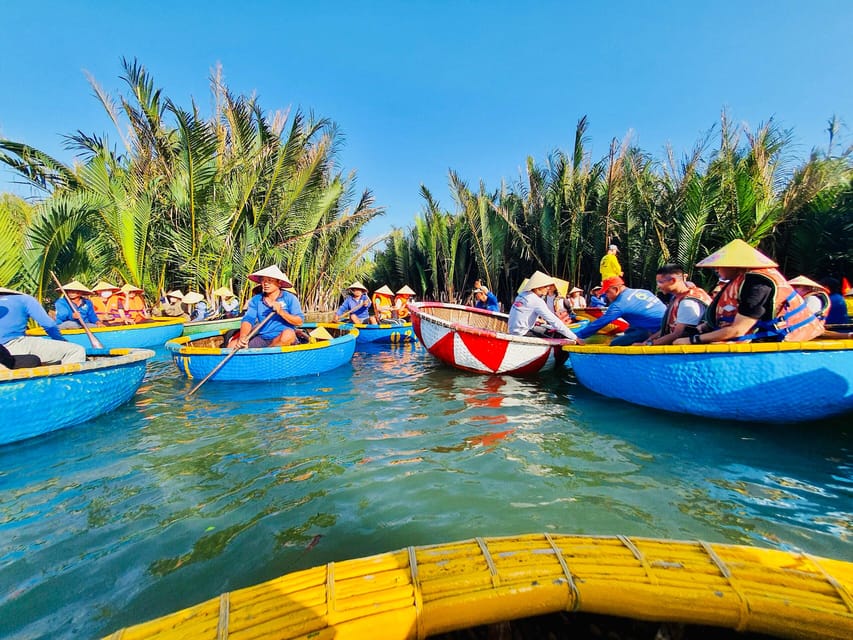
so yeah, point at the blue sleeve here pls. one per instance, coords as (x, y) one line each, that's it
(613, 312)
(294, 307)
(369, 303)
(251, 315)
(63, 310)
(90, 316)
(37, 313)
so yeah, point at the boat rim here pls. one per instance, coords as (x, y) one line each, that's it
(719, 347)
(177, 345)
(119, 357)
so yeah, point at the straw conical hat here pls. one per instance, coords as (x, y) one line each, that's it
(5, 290)
(578, 289)
(357, 285)
(406, 290)
(193, 297)
(562, 287)
(539, 279)
(177, 293)
(384, 289)
(76, 285)
(522, 286)
(103, 285)
(320, 333)
(738, 254)
(129, 287)
(803, 281)
(224, 292)
(271, 272)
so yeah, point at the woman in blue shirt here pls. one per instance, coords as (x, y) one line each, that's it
(280, 329)
(65, 317)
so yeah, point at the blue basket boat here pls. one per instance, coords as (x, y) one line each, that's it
(196, 356)
(45, 399)
(207, 326)
(385, 333)
(777, 382)
(133, 336)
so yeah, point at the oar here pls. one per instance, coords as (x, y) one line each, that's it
(251, 335)
(96, 344)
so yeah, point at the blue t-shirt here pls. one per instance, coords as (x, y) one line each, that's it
(355, 305)
(837, 310)
(258, 310)
(200, 312)
(16, 309)
(490, 304)
(64, 312)
(639, 308)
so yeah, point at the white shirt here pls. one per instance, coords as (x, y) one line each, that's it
(527, 309)
(690, 312)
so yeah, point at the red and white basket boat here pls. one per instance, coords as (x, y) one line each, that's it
(477, 340)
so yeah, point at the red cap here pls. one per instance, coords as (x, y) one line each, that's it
(615, 281)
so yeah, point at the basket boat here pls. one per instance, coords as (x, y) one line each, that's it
(594, 313)
(476, 340)
(419, 592)
(45, 399)
(778, 382)
(133, 336)
(207, 326)
(385, 333)
(196, 356)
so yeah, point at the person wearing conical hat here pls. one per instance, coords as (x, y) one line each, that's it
(383, 303)
(81, 310)
(814, 293)
(756, 302)
(483, 298)
(172, 307)
(356, 306)
(640, 308)
(556, 299)
(103, 292)
(16, 310)
(130, 305)
(273, 302)
(576, 299)
(401, 299)
(229, 305)
(596, 297)
(529, 307)
(197, 306)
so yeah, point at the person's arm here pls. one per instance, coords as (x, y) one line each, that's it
(553, 321)
(740, 327)
(613, 312)
(63, 311)
(37, 313)
(342, 314)
(290, 310)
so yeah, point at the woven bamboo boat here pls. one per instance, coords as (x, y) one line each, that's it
(594, 313)
(134, 336)
(778, 382)
(45, 399)
(476, 340)
(196, 356)
(422, 591)
(385, 333)
(207, 326)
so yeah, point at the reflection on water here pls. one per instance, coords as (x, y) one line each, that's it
(168, 501)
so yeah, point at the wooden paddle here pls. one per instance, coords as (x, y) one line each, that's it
(251, 335)
(96, 344)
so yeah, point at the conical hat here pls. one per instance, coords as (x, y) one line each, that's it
(739, 254)
(803, 281)
(574, 289)
(129, 287)
(177, 293)
(103, 285)
(562, 287)
(406, 290)
(539, 279)
(384, 289)
(224, 292)
(522, 286)
(76, 285)
(193, 297)
(320, 333)
(5, 290)
(271, 272)
(357, 285)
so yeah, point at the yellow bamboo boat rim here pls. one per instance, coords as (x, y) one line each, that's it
(422, 591)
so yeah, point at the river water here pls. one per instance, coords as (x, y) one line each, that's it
(168, 502)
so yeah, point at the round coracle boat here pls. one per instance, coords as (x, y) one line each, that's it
(775, 382)
(384, 333)
(594, 313)
(133, 336)
(476, 340)
(208, 326)
(197, 356)
(420, 592)
(44, 399)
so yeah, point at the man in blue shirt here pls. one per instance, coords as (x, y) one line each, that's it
(280, 329)
(485, 299)
(356, 306)
(596, 299)
(640, 308)
(65, 316)
(16, 309)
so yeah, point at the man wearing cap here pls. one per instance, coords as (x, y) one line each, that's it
(609, 265)
(529, 307)
(483, 298)
(280, 329)
(356, 306)
(640, 308)
(16, 309)
(68, 317)
(756, 302)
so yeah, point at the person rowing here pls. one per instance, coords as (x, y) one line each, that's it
(280, 330)
(81, 309)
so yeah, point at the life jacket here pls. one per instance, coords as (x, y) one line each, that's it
(792, 320)
(825, 303)
(133, 307)
(383, 305)
(669, 321)
(400, 307)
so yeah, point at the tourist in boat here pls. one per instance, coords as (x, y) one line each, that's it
(640, 308)
(356, 306)
(131, 307)
(81, 310)
(555, 299)
(483, 298)
(229, 305)
(756, 303)
(609, 266)
(280, 330)
(596, 299)
(383, 303)
(103, 295)
(529, 307)
(173, 306)
(576, 299)
(197, 306)
(686, 307)
(814, 293)
(837, 306)
(16, 309)
(401, 299)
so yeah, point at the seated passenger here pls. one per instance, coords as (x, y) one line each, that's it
(401, 299)
(81, 310)
(173, 307)
(529, 307)
(273, 300)
(483, 298)
(197, 306)
(640, 308)
(837, 306)
(596, 299)
(383, 303)
(686, 307)
(756, 302)
(104, 299)
(576, 299)
(815, 295)
(229, 305)
(356, 306)
(556, 300)
(131, 307)
(16, 309)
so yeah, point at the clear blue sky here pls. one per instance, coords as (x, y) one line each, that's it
(418, 88)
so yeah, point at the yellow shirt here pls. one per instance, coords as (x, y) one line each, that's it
(609, 267)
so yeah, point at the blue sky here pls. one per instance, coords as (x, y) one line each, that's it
(418, 88)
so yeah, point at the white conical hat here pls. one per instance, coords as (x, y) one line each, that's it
(76, 285)
(384, 289)
(129, 287)
(578, 289)
(406, 290)
(5, 290)
(193, 297)
(103, 285)
(357, 285)
(271, 272)
(177, 293)
(539, 279)
(224, 292)
(803, 281)
(562, 287)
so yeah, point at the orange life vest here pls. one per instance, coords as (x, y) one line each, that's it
(400, 307)
(669, 319)
(792, 320)
(133, 307)
(382, 305)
